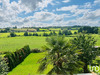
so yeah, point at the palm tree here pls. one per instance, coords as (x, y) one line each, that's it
(86, 44)
(62, 55)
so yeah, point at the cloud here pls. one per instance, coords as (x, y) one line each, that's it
(29, 5)
(93, 15)
(66, 1)
(45, 3)
(43, 16)
(68, 8)
(49, 16)
(87, 5)
(0, 1)
(96, 2)
(32, 5)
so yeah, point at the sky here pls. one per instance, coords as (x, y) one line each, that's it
(40, 13)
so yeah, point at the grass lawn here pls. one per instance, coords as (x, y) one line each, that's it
(29, 65)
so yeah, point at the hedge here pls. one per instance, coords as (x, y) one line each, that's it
(15, 58)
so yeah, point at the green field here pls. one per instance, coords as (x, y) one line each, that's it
(29, 66)
(13, 43)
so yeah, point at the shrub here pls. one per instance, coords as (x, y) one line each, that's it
(12, 34)
(35, 34)
(45, 34)
(66, 32)
(75, 32)
(30, 34)
(35, 50)
(15, 58)
(3, 66)
(26, 34)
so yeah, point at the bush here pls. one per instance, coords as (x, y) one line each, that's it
(45, 34)
(66, 32)
(30, 34)
(26, 34)
(12, 34)
(35, 34)
(35, 51)
(75, 32)
(3, 66)
(15, 58)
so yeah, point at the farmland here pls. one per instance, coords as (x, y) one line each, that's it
(30, 65)
(13, 43)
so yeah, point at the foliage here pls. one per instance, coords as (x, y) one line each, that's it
(30, 65)
(35, 34)
(45, 34)
(30, 34)
(3, 66)
(5, 30)
(89, 29)
(35, 50)
(85, 43)
(26, 34)
(15, 58)
(62, 55)
(50, 34)
(12, 34)
(75, 32)
(60, 33)
(66, 32)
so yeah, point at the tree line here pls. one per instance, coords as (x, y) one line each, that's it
(52, 33)
(88, 29)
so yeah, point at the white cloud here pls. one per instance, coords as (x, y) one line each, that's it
(43, 16)
(93, 15)
(45, 3)
(75, 9)
(66, 1)
(32, 5)
(49, 16)
(68, 8)
(87, 5)
(96, 2)
(0, 1)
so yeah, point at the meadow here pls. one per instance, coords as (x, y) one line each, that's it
(30, 65)
(13, 43)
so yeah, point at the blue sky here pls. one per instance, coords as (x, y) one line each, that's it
(28, 13)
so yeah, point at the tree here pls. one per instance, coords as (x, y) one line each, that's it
(12, 34)
(37, 29)
(85, 43)
(50, 33)
(62, 55)
(3, 66)
(66, 32)
(35, 34)
(60, 33)
(89, 29)
(30, 34)
(54, 33)
(75, 32)
(45, 34)
(26, 34)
